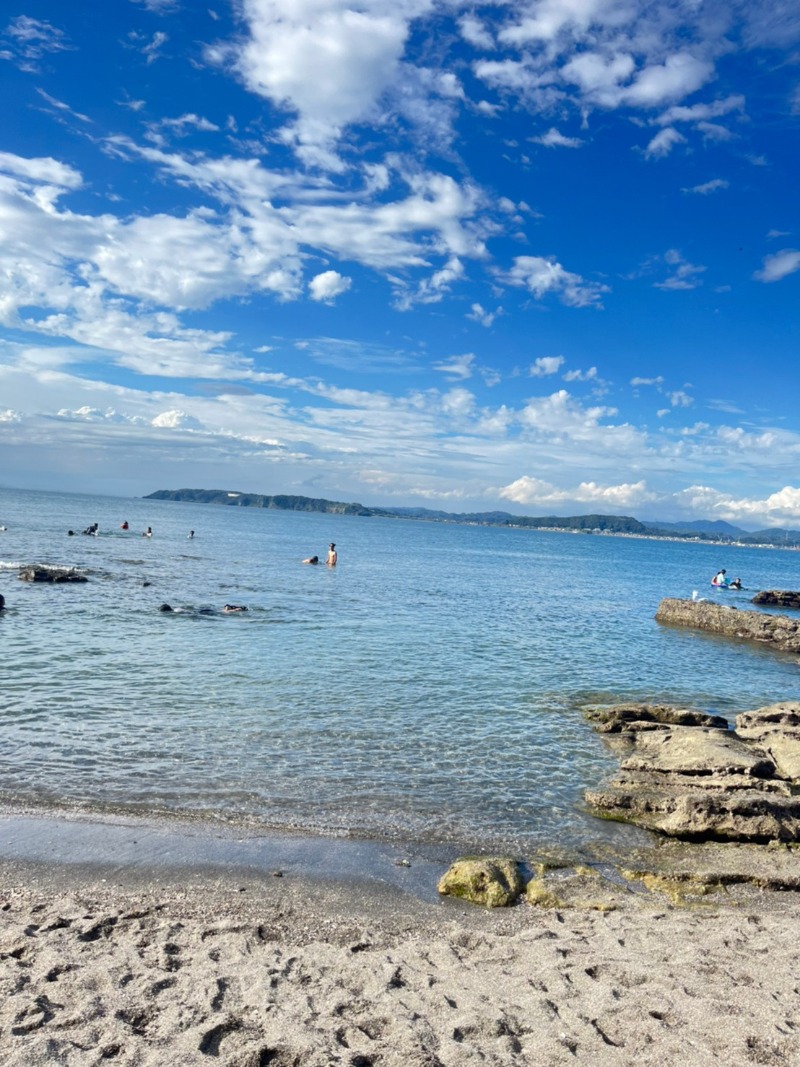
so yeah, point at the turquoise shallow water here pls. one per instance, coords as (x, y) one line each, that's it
(430, 687)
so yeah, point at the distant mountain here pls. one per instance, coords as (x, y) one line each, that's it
(256, 500)
(704, 529)
(706, 526)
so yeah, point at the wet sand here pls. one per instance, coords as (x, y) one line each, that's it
(164, 960)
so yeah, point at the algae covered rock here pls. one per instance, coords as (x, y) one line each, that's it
(777, 630)
(494, 881)
(37, 572)
(781, 598)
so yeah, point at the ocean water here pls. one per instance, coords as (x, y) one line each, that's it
(428, 688)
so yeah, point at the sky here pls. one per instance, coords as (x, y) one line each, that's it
(540, 256)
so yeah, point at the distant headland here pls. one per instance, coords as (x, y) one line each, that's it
(699, 530)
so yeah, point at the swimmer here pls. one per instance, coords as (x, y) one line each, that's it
(166, 608)
(2, 602)
(332, 557)
(191, 534)
(231, 609)
(148, 532)
(123, 525)
(311, 559)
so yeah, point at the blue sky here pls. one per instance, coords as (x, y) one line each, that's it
(536, 255)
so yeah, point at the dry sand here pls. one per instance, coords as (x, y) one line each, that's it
(186, 967)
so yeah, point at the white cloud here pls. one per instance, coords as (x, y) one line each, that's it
(542, 275)
(679, 75)
(712, 186)
(600, 77)
(696, 113)
(662, 144)
(328, 285)
(31, 39)
(457, 366)
(479, 314)
(581, 375)
(554, 139)
(534, 491)
(475, 32)
(42, 169)
(545, 365)
(176, 420)
(779, 265)
(683, 272)
(354, 55)
(647, 381)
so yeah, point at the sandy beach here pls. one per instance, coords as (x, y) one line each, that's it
(146, 965)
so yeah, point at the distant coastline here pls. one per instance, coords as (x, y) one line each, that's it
(713, 532)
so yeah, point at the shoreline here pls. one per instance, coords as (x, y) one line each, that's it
(147, 959)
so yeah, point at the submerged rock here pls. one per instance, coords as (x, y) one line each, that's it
(40, 573)
(781, 598)
(495, 882)
(777, 630)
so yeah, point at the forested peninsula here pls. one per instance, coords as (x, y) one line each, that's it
(700, 530)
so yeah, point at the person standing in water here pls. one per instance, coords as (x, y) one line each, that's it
(332, 557)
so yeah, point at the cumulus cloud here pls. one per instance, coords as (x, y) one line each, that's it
(325, 287)
(554, 139)
(581, 375)
(542, 275)
(535, 491)
(176, 420)
(354, 55)
(782, 505)
(778, 265)
(545, 365)
(479, 314)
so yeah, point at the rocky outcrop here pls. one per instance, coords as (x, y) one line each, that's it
(41, 573)
(777, 630)
(616, 719)
(779, 598)
(776, 730)
(495, 882)
(701, 782)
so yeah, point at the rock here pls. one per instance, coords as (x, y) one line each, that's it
(695, 750)
(723, 814)
(702, 783)
(580, 888)
(495, 882)
(782, 598)
(777, 630)
(776, 730)
(39, 573)
(623, 718)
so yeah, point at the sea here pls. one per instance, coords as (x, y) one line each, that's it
(431, 687)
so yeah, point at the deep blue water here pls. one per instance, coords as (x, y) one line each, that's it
(428, 687)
